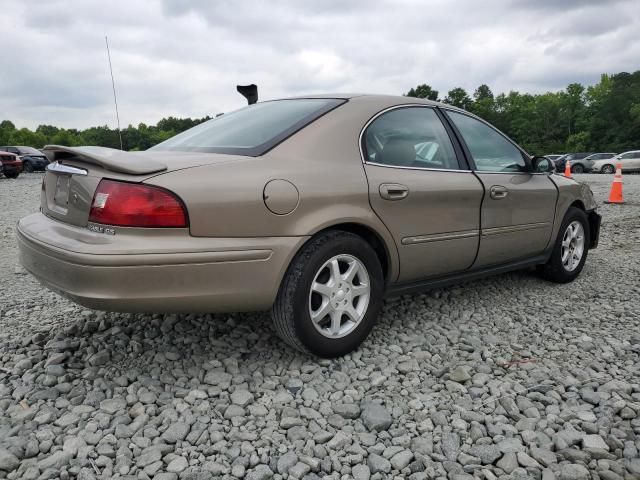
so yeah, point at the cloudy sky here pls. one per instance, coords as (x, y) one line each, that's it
(184, 58)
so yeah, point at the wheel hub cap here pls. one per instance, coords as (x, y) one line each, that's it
(339, 296)
(572, 248)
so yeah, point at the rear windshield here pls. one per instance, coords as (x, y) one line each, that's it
(252, 130)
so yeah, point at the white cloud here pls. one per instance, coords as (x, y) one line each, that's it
(184, 58)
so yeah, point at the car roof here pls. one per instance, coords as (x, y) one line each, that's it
(374, 98)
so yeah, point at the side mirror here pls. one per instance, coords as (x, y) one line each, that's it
(542, 165)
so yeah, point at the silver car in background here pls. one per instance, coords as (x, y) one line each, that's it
(630, 162)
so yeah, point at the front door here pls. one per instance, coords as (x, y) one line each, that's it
(518, 205)
(427, 199)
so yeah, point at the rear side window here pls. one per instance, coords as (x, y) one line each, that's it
(490, 150)
(251, 130)
(409, 137)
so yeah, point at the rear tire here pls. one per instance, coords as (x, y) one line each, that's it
(312, 286)
(577, 169)
(572, 241)
(11, 175)
(608, 169)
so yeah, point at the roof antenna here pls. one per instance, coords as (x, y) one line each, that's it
(113, 85)
(250, 92)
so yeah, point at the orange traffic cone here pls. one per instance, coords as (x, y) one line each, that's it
(615, 196)
(567, 169)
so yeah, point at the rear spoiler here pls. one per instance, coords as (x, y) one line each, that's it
(134, 163)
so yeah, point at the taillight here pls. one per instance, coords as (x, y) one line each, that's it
(135, 205)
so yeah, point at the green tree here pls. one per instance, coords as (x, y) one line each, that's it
(483, 103)
(423, 91)
(458, 97)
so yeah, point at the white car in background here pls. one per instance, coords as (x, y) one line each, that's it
(630, 162)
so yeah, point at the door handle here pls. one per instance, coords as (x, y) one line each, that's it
(498, 192)
(393, 191)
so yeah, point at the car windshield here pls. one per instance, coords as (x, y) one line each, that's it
(29, 151)
(252, 130)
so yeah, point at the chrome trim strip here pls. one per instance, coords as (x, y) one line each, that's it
(482, 172)
(417, 168)
(439, 237)
(514, 228)
(382, 112)
(60, 168)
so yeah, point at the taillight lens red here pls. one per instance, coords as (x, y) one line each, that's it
(134, 205)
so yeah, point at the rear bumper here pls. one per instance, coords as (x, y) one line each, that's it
(158, 273)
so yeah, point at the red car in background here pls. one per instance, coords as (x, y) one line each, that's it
(11, 164)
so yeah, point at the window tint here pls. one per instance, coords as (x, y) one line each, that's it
(491, 151)
(627, 155)
(251, 130)
(409, 137)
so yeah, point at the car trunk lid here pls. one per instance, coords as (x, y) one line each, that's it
(75, 172)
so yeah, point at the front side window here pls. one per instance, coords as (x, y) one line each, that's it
(409, 137)
(627, 156)
(252, 130)
(491, 151)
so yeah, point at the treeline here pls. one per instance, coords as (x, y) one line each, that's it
(602, 117)
(133, 138)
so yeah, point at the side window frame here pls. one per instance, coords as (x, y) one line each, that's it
(463, 165)
(525, 156)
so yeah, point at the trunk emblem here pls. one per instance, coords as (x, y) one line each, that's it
(101, 229)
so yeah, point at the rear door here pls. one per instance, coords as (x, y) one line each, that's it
(518, 207)
(429, 200)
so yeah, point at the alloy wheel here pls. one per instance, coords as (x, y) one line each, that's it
(339, 296)
(572, 246)
(608, 169)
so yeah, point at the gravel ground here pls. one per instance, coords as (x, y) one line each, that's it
(509, 377)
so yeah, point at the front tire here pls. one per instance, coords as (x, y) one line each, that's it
(27, 167)
(577, 169)
(608, 169)
(570, 250)
(330, 296)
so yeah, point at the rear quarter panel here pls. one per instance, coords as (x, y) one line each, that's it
(322, 161)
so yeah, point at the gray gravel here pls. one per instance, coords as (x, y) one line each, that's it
(508, 377)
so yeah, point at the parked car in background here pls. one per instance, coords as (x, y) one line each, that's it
(322, 206)
(578, 164)
(599, 156)
(630, 162)
(553, 156)
(32, 159)
(11, 164)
